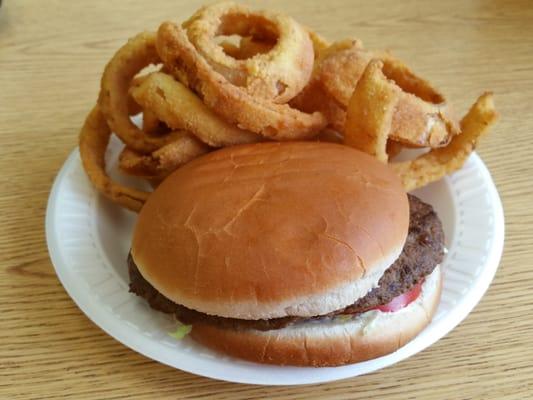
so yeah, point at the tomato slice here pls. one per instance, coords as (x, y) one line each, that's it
(402, 300)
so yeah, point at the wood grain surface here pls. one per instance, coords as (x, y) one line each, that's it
(51, 57)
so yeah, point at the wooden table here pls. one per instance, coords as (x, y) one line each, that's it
(51, 56)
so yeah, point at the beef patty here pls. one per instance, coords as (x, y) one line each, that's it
(423, 250)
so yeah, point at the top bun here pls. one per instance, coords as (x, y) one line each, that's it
(273, 229)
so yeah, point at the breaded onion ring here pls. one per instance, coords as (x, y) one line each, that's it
(340, 67)
(93, 141)
(276, 121)
(179, 108)
(138, 53)
(389, 101)
(439, 162)
(370, 113)
(277, 75)
(163, 161)
(423, 118)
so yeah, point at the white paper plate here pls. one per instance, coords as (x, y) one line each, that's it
(88, 239)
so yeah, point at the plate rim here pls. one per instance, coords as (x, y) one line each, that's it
(138, 343)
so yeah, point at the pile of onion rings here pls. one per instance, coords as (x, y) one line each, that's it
(230, 75)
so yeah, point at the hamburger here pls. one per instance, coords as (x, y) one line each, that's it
(299, 253)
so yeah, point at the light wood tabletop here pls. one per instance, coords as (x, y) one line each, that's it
(51, 58)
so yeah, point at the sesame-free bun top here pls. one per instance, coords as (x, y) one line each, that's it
(272, 229)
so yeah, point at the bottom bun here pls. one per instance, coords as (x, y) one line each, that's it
(332, 341)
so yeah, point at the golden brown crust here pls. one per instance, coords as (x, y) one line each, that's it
(113, 100)
(93, 141)
(255, 231)
(283, 348)
(340, 67)
(391, 102)
(277, 74)
(437, 163)
(371, 111)
(235, 105)
(179, 108)
(163, 161)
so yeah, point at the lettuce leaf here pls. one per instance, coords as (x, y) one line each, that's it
(181, 331)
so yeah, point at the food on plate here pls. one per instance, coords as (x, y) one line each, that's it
(276, 75)
(230, 75)
(179, 108)
(129, 60)
(94, 138)
(384, 105)
(279, 229)
(373, 108)
(275, 256)
(421, 117)
(437, 163)
(258, 115)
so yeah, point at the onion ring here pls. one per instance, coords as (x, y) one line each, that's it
(93, 141)
(276, 121)
(174, 104)
(383, 106)
(138, 53)
(277, 75)
(370, 113)
(423, 118)
(439, 162)
(163, 161)
(340, 67)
